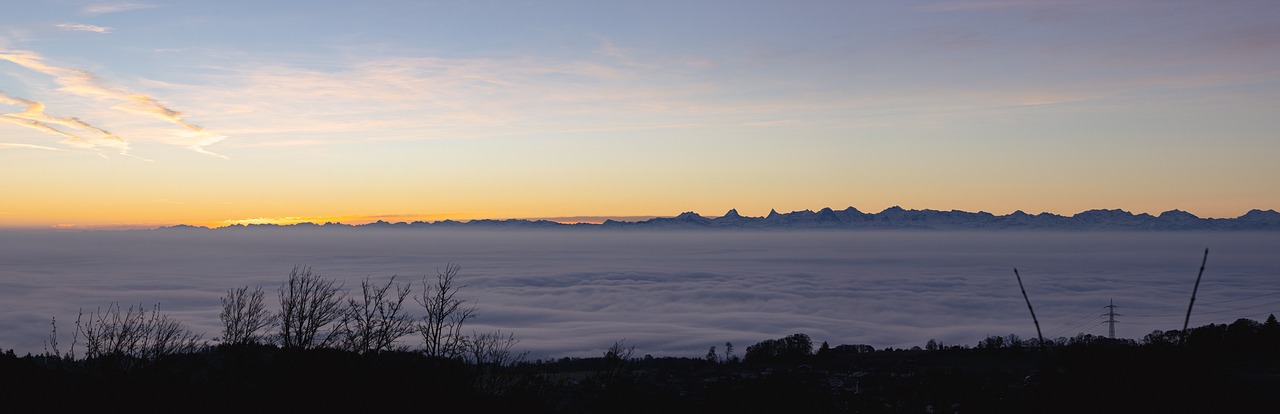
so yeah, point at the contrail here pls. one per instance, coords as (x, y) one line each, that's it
(34, 116)
(4, 145)
(83, 83)
(71, 140)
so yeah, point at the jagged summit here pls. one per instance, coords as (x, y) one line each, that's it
(827, 215)
(1177, 215)
(688, 215)
(1103, 214)
(1263, 215)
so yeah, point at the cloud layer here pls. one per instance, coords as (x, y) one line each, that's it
(671, 293)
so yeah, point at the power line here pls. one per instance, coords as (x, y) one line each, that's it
(1204, 303)
(1234, 309)
(1271, 313)
(1240, 299)
(1076, 324)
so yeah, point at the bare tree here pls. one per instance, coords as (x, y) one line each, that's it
(135, 333)
(52, 341)
(376, 320)
(309, 304)
(243, 315)
(441, 328)
(491, 354)
(614, 365)
(52, 353)
(167, 336)
(111, 332)
(492, 349)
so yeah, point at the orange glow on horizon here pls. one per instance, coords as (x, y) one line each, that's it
(407, 218)
(344, 219)
(141, 220)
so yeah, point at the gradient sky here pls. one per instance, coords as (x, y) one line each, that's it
(210, 113)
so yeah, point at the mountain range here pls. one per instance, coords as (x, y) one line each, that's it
(893, 218)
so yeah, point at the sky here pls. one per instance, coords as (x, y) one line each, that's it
(148, 113)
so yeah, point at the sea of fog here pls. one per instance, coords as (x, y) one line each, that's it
(669, 293)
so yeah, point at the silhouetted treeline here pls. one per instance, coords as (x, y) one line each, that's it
(1219, 368)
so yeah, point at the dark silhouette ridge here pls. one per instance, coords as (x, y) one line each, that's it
(1220, 368)
(892, 218)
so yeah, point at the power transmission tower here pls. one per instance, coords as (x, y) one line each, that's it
(1111, 319)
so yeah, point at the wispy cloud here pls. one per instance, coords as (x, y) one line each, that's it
(25, 146)
(424, 98)
(105, 8)
(273, 103)
(83, 83)
(70, 139)
(34, 116)
(77, 27)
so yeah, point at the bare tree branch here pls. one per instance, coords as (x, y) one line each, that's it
(375, 321)
(441, 328)
(308, 305)
(135, 333)
(492, 349)
(243, 315)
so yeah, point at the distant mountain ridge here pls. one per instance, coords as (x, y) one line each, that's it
(893, 218)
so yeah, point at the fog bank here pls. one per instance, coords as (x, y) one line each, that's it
(573, 293)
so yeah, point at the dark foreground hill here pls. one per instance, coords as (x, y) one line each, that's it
(1220, 368)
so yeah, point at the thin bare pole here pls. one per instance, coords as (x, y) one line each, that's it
(1033, 311)
(1186, 321)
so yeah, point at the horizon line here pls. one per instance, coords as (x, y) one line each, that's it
(360, 220)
